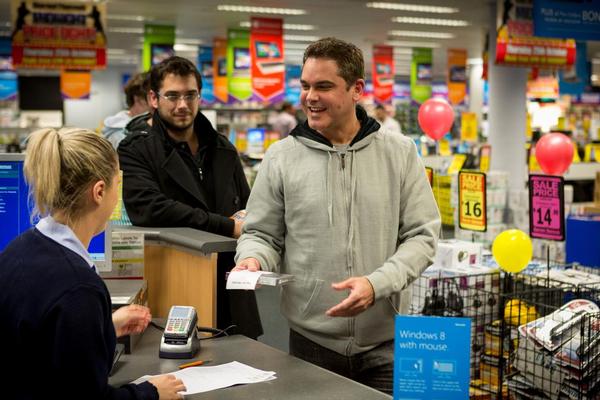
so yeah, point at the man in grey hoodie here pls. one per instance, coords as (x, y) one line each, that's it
(345, 207)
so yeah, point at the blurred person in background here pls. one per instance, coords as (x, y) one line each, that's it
(135, 95)
(387, 122)
(286, 120)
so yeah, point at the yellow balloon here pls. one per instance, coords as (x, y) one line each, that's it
(512, 250)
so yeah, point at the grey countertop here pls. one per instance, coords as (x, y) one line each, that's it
(204, 242)
(296, 379)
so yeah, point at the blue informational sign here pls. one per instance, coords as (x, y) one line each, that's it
(292, 84)
(9, 85)
(205, 66)
(579, 20)
(575, 80)
(431, 358)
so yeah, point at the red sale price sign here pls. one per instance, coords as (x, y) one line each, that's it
(546, 207)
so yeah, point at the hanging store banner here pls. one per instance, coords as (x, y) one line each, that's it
(544, 87)
(383, 73)
(468, 127)
(421, 74)
(158, 44)
(457, 76)
(268, 68)
(220, 70)
(58, 35)
(292, 84)
(239, 82)
(472, 213)
(402, 91)
(431, 356)
(534, 52)
(547, 205)
(75, 85)
(205, 66)
(578, 20)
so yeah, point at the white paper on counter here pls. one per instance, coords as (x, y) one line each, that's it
(204, 379)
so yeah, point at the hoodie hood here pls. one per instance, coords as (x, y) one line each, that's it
(117, 121)
(368, 125)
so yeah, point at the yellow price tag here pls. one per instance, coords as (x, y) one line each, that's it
(528, 131)
(429, 172)
(118, 211)
(457, 163)
(472, 201)
(534, 166)
(445, 148)
(468, 127)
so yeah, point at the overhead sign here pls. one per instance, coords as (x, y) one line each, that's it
(205, 66)
(267, 55)
(472, 201)
(293, 87)
(75, 85)
(421, 74)
(58, 35)
(159, 41)
(578, 20)
(457, 76)
(535, 52)
(220, 70)
(431, 358)
(383, 73)
(546, 207)
(239, 63)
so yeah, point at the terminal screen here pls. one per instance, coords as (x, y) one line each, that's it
(15, 209)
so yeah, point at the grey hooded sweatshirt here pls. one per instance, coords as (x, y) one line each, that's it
(325, 214)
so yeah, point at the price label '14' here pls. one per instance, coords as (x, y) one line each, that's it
(547, 207)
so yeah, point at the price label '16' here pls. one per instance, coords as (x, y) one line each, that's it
(472, 201)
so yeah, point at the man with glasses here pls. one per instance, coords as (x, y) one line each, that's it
(182, 173)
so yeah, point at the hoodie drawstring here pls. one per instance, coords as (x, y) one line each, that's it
(329, 184)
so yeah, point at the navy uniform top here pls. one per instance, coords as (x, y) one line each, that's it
(56, 331)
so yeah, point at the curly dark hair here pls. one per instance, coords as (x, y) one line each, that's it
(348, 57)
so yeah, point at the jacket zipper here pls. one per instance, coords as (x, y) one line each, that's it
(351, 321)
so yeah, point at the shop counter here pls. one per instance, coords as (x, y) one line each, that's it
(180, 266)
(296, 379)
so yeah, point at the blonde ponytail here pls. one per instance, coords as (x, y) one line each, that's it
(61, 165)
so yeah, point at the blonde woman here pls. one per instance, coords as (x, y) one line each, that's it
(57, 329)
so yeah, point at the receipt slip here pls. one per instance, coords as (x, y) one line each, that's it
(245, 280)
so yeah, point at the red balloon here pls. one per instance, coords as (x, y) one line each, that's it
(554, 153)
(436, 118)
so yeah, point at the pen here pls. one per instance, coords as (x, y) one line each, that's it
(193, 364)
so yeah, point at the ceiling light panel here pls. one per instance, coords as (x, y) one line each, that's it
(301, 38)
(430, 21)
(420, 34)
(125, 29)
(287, 27)
(413, 8)
(401, 43)
(124, 17)
(261, 10)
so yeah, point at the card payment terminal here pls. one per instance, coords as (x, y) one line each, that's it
(180, 338)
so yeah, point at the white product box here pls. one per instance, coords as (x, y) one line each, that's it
(457, 253)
